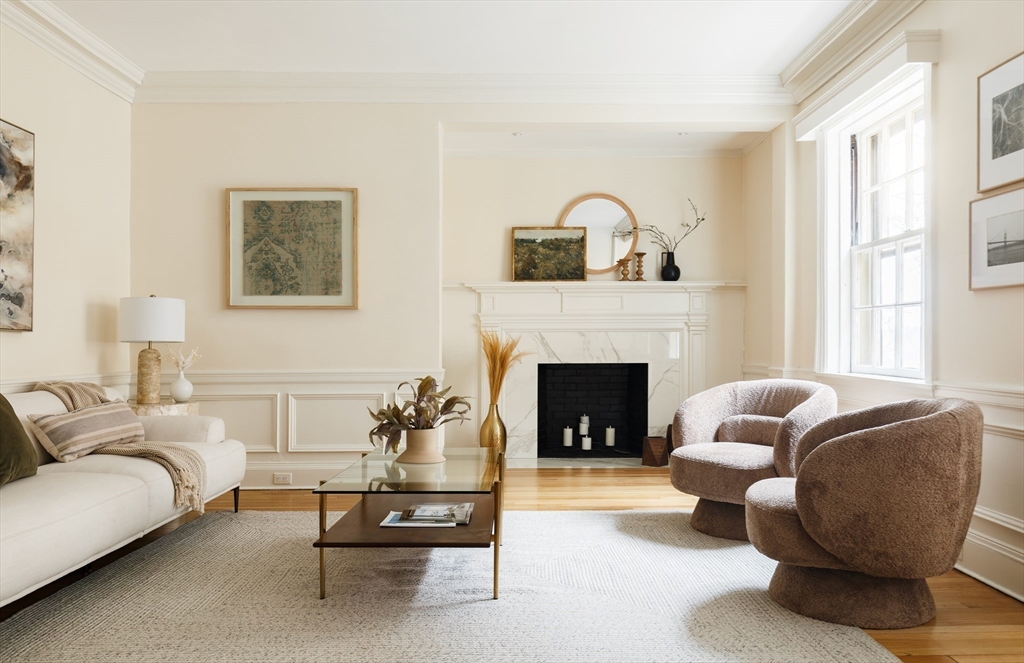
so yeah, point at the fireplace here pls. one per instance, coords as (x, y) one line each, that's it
(660, 326)
(610, 394)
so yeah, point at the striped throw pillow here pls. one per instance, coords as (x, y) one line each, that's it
(74, 434)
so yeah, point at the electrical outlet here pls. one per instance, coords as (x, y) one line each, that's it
(282, 478)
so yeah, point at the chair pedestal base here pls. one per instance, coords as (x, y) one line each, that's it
(851, 598)
(721, 519)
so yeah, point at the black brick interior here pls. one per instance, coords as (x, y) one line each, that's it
(611, 394)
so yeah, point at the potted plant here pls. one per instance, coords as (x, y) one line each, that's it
(420, 418)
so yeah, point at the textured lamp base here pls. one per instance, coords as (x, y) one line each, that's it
(851, 598)
(148, 391)
(721, 519)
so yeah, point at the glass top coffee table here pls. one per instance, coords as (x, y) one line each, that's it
(467, 475)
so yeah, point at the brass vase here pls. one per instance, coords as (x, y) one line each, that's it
(492, 432)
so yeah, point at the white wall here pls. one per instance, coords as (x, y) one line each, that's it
(485, 197)
(978, 352)
(82, 188)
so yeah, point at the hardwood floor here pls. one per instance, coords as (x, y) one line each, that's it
(973, 624)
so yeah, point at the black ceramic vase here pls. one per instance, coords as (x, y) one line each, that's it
(669, 269)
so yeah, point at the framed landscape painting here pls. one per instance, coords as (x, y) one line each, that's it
(1001, 125)
(549, 254)
(17, 226)
(292, 248)
(997, 241)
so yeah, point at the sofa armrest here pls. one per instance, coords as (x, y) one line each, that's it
(190, 428)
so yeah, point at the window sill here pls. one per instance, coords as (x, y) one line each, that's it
(884, 386)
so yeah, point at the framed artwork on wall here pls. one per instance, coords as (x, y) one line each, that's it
(997, 240)
(549, 254)
(292, 248)
(1001, 125)
(17, 226)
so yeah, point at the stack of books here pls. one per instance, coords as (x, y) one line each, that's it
(431, 515)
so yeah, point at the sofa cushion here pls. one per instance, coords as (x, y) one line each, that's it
(225, 466)
(74, 434)
(53, 523)
(720, 471)
(17, 456)
(749, 428)
(774, 526)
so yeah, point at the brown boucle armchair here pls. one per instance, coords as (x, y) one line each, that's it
(881, 500)
(731, 436)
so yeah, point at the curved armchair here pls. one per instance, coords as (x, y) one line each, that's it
(731, 436)
(881, 500)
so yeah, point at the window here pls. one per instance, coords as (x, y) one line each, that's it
(875, 233)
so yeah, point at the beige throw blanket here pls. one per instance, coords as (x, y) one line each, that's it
(185, 466)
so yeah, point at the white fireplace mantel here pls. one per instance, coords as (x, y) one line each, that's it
(664, 325)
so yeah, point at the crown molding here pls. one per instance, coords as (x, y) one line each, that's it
(860, 25)
(584, 153)
(171, 87)
(58, 34)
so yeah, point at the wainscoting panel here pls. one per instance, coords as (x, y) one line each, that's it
(331, 422)
(309, 424)
(251, 418)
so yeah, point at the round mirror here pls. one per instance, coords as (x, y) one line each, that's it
(611, 229)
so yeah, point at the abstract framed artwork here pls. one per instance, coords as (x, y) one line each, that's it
(997, 240)
(292, 248)
(1001, 125)
(17, 226)
(549, 254)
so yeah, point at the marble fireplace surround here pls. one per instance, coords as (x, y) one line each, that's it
(663, 325)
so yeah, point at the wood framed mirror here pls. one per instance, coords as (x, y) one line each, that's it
(611, 229)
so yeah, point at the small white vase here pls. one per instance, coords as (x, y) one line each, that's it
(181, 389)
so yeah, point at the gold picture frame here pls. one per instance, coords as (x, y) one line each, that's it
(543, 253)
(293, 248)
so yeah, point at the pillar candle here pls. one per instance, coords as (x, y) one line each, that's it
(586, 444)
(609, 437)
(585, 420)
(584, 429)
(567, 437)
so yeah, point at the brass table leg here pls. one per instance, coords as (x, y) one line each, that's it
(323, 530)
(497, 492)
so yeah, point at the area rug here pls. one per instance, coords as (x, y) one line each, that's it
(576, 586)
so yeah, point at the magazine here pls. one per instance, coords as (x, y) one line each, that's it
(394, 519)
(458, 512)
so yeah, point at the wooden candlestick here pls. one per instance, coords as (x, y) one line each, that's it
(624, 267)
(639, 266)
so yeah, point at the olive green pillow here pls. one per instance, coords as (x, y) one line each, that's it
(17, 455)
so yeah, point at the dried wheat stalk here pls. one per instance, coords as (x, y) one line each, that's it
(501, 356)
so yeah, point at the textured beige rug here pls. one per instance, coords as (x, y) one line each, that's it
(576, 586)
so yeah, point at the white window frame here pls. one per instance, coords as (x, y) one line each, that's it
(835, 328)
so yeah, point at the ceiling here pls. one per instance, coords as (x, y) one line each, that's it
(585, 37)
(684, 48)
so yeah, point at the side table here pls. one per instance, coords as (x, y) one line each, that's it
(166, 407)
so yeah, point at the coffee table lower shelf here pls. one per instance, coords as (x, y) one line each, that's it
(360, 527)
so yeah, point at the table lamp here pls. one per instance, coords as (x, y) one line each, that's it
(150, 320)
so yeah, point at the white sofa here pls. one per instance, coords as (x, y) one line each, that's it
(70, 514)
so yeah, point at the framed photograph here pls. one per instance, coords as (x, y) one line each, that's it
(549, 254)
(17, 226)
(292, 248)
(997, 241)
(1001, 125)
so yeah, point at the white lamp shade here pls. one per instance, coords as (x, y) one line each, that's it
(151, 319)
